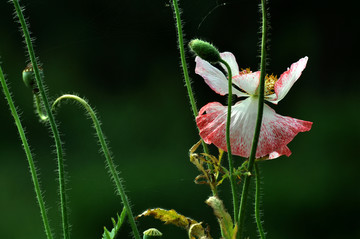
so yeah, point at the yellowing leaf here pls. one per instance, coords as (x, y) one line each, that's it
(194, 228)
(169, 217)
(223, 217)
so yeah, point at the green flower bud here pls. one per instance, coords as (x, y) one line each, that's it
(205, 50)
(152, 233)
(29, 77)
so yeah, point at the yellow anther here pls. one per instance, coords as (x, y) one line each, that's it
(269, 84)
(245, 71)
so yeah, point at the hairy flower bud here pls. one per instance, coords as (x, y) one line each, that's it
(205, 50)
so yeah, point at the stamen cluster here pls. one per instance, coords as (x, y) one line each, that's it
(270, 84)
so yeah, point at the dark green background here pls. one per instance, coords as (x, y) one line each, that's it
(122, 56)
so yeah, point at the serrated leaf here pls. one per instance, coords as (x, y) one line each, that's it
(117, 225)
(106, 234)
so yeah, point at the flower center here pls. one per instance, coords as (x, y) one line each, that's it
(269, 84)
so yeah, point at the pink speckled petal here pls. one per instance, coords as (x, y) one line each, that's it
(287, 79)
(276, 131)
(214, 78)
(230, 59)
(248, 82)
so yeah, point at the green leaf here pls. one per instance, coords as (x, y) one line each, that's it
(106, 234)
(117, 225)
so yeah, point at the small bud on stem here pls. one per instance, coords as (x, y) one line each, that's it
(29, 78)
(205, 50)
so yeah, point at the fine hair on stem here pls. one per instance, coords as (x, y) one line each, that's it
(51, 120)
(107, 154)
(245, 190)
(184, 66)
(228, 143)
(258, 201)
(32, 166)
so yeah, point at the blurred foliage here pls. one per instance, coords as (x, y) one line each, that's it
(122, 56)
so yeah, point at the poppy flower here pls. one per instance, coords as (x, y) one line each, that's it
(276, 130)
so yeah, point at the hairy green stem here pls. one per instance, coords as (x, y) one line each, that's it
(26, 146)
(257, 201)
(228, 143)
(110, 164)
(183, 59)
(245, 190)
(54, 129)
(186, 74)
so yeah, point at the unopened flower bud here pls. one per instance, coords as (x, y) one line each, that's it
(152, 233)
(205, 50)
(29, 77)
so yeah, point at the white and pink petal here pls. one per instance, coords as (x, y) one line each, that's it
(276, 131)
(248, 82)
(288, 78)
(214, 78)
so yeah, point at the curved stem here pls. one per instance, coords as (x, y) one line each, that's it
(54, 129)
(39, 110)
(246, 184)
(186, 75)
(107, 154)
(228, 143)
(257, 201)
(26, 146)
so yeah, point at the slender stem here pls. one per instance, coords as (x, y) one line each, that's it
(183, 59)
(228, 143)
(257, 201)
(246, 184)
(186, 75)
(26, 146)
(110, 164)
(54, 129)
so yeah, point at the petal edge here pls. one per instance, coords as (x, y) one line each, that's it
(288, 78)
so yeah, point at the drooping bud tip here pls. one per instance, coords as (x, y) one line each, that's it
(205, 50)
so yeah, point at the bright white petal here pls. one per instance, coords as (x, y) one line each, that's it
(248, 82)
(271, 98)
(214, 77)
(230, 59)
(288, 78)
